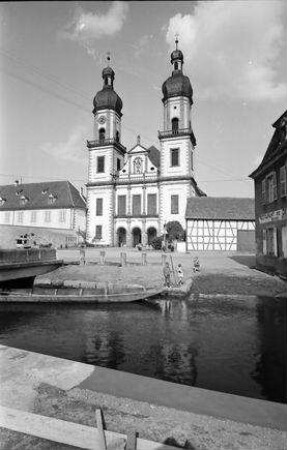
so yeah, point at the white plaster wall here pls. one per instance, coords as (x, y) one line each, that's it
(183, 190)
(184, 167)
(106, 220)
(94, 176)
(80, 220)
(54, 222)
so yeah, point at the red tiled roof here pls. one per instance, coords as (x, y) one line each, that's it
(154, 156)
(220, 208)
(36, 196)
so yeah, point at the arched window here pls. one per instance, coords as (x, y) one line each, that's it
(102, 134)
(176, 66)
(174, 125)
(117, 136)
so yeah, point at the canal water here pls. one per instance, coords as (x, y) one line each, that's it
(227, 345)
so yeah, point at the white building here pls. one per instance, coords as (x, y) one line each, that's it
(54, 210)
(133, 194)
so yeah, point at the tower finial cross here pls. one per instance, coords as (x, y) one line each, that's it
(176, 40)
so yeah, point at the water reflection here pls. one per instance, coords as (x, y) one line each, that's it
(271, 361)
(234, 346)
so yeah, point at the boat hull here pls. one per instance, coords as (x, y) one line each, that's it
(25, 297)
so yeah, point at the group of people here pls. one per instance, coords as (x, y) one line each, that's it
(178, 272)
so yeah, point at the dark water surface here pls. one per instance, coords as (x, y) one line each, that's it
(228, 345)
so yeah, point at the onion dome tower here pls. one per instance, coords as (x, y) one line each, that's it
(178, 84)
(107, 98)
(106, 158)
(177, 143)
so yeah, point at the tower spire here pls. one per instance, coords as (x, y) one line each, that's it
(176, 41)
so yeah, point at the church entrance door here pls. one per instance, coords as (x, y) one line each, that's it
(122, 236)
(137, 236)
(151, 234)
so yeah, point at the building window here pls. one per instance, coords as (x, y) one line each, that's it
(52, 198)
(23, 200)
(7, 217)
(102, 135)
(174, 125)
(99, 230)
(101, 164)
(20, 216)
(118, 164)
(271, 241)
(138, 165)
(33, 216)
(151, 204)
(122, 201)
(263, 190)
(136, 205)
(174, 204)
(174, 157)
(47, 216)
(99, 207)
(117, 136)
(62, 215)
(271, 187)
(283, 183)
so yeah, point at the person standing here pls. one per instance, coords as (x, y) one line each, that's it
(166, 273)
(179, 274)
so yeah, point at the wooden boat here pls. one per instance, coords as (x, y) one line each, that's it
(79, 292)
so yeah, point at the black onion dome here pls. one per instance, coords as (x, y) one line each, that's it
(107, 98)
(176, 55)
(108, 71)
(176, 85)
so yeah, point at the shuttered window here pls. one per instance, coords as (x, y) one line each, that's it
(174, 157)
(99, 230)
(174, 204)
(136, 205)
(151, 204)
(101, 164)
(122, 204)
(99, 207)
(283, 186)
(263, 190)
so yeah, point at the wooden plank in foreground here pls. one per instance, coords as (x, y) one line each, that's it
(69, 433)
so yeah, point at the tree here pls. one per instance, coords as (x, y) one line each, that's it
(175, 231)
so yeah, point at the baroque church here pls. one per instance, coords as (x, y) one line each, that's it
(132, 194)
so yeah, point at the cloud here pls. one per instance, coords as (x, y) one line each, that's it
(142, 44)
(71, 150)
(233, 48)
(88, 26)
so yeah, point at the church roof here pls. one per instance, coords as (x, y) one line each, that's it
(154, 156)
(44, 195)
(220, 208)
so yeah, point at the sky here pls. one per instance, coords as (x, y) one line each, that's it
(52, 55)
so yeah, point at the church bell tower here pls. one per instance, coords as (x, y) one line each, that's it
(106, 158)
(177, 144)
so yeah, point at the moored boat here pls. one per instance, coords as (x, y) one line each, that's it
(76, 291)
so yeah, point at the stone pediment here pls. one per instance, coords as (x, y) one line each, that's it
(137, 149)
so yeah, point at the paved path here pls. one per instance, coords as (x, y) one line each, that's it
(158, 410)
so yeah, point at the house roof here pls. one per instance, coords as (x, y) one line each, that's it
(276, 147)
(44, 195)
(220, 208)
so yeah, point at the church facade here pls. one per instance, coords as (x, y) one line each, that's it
(131, 195)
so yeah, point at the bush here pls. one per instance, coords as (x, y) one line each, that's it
(156, 243)
(175, 231)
